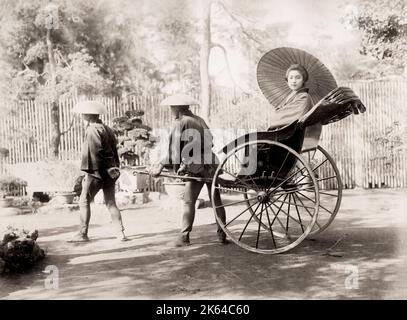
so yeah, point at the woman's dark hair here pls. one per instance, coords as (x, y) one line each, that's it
(300, 69)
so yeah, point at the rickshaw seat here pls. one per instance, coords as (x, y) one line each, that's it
(273, 134)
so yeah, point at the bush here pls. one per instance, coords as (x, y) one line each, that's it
(10, 185)
(134, 138)
(19, 250)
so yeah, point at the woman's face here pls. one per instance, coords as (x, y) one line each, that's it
(295, 80)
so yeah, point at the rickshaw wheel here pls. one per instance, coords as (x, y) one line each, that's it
(270, 217)
(329, 184)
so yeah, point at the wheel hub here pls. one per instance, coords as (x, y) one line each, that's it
(263, 197)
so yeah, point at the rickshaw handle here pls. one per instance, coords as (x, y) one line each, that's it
(176, 176)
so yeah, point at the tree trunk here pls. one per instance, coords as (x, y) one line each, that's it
(55, 117)
(204, 61)
(55, 129)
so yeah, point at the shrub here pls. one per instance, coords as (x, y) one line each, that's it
(11, 185)
(19, 250)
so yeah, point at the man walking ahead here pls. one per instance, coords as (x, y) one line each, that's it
(190, 153)
(100, 162)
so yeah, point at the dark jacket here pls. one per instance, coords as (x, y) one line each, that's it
(99, 151)
(200, 160)
(297, 104)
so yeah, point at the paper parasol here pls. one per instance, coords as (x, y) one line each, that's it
(272, 68)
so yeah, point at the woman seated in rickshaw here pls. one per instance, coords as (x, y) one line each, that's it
(293, 81)
(298, 102)
(301, 88)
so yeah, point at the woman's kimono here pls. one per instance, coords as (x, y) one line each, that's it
(296, 105)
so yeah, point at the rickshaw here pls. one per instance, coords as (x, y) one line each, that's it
(280, 186)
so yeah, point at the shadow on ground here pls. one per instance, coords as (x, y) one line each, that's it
(149, 268)
(360, 256)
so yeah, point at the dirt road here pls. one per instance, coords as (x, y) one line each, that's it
(362, 255)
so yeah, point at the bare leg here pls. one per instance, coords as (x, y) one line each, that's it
(110, 200)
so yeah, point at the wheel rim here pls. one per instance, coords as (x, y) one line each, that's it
(329, 184)
(264, 215)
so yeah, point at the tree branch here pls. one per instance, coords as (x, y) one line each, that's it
(75, 94)
(26, 68)
(69, 128)
(217, 45)
(248, 35)
(62, 58)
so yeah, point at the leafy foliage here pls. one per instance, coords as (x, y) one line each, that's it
(134, 138)
(90, 47)
(9, 184)
(19, 250)
(384, 32)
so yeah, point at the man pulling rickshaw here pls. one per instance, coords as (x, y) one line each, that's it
(190, 154)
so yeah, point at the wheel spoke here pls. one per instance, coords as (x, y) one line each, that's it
(271, 229)
(287, 214)
(245, 184)
(276, 217)
(258, 230)
(331, 213)
(298, 213)
(315, 152)
(294, 203)
(279, 209)
(242, 213)
(257, 187)
(279, 196)
(285, 180)
(327, 178)
(329, 194)
(309, 154)
(287, 191)
(309, 213)
(245, 227)
(314, 169)
(233, 203)
(275, 177)
(304, 184)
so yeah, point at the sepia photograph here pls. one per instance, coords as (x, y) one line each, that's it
(196, 150)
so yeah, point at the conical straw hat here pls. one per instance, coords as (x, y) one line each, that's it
(179, 99)
(90, 107)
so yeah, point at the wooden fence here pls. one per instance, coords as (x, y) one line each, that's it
(367, 148)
